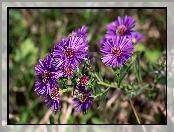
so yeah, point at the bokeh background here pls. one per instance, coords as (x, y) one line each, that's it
(33, 32)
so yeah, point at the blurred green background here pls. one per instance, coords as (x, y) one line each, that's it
(32, 34)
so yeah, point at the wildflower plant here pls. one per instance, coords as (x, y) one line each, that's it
(68, 67)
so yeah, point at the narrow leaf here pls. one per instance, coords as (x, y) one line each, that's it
(97, 121)
(103, 98)
(123, 74)
(96, 67)
(97, 72)
(140, 90)
(138, 69)
(162, 80)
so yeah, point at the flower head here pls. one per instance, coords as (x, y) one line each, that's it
(83, 99)
(68, 72)
(89, 56)
(46, 74)
(53, 99)
(70, 51)
(103, 40)
(117, 51)
(81, 32)
(83, 80)
(120, 27)
(135, 37)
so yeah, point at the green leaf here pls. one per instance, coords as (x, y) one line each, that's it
(10, 88)
(24, 117)
(139, 91)
(96, 67)
(117, 70)
(162, 80)
(103, 98)
(71, 120)
(97, 72)
(27, 53)
(86, 117)
(123, 74)
(96, 121)
(138, 69)
(139, 47)
(97, 88)
(153, 56)
(51, 119)
(32, 105)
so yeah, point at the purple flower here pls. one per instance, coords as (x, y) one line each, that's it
(70, 51)
(47, 74)
(89, 56)
(53, 100)
(102, 41)
(81, 32)
(83, 80)
(68, 72)
(117, 51)
(135, 37)
(65, 72)
(83, 99)
(120, 27)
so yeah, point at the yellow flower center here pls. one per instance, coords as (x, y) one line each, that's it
(134, 41)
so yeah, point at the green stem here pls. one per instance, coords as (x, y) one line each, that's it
(122, 13)
(83, 68)
(97, 77)
(108, 85)
(101, 93)
(64, 90)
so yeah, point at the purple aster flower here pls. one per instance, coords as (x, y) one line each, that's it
(102, 41)
(68, 72)
(83, 80)
(135, 37)
(117, 51)
(82, 99)
(120, 27)
(65, 72)
(81, 32)
(89, 56)
(70, 51)
(53, 100)
(47, 74)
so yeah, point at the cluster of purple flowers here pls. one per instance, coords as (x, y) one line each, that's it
(72, 52)
(118, 44)
(64, 58)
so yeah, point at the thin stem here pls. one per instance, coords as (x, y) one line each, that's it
(137, 116)
(122, 13)
(102, 93)
(108, 85)
(135, 112)
(83, 67)
(97, 77)
(64, 90)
